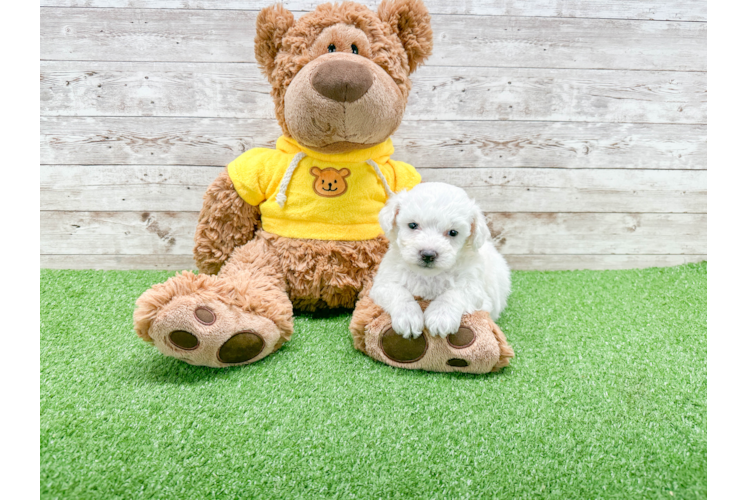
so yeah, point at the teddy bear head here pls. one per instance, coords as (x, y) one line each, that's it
(340, 75)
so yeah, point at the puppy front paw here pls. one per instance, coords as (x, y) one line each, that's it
(407, 320)
(441, 319)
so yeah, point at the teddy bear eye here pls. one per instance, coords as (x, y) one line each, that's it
(354, 49)
(413, 225)
(331, 48)
(452, 233)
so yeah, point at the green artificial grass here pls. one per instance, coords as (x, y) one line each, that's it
(606, 398)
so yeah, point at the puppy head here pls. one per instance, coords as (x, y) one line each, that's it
(433, 225)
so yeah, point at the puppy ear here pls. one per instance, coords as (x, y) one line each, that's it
(344, 172)
(388, 217)
(410, 21)
(479, 232)
(315, 171)
(272, 23)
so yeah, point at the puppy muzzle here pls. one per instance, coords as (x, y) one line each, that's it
(428, 258)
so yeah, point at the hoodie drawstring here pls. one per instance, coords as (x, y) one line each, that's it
(387, 189)
(281, 196)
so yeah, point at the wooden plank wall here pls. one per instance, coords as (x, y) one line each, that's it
(579, 125)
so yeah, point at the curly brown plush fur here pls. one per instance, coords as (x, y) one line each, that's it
(400, 41)
(245, 312)
(411, 23)
(226, 222)
(252, 280)
(327, 274)
(266, 277)
(271, 25)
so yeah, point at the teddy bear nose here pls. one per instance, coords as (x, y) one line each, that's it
(342, 80)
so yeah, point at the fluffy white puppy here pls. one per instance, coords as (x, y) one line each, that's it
(440, 250)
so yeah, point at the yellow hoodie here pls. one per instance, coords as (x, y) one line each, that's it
(305, 194)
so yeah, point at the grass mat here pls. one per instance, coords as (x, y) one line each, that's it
(605, 399)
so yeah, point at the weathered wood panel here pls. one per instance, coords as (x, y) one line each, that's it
(596, 262)
(128, 233)
(240, 91)
(585, 190)
(124, 188)
(663, 10)
(434, 144)
(516, 262)
(495, 189)
(145, 233)
(495, 41)
(579, 126)
(154, 262)
(598, 233)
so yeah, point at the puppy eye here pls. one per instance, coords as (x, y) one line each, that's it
(452, 233)
(413, 225)
(354, 49)
(331, 48)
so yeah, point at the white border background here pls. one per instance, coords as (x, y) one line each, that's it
(728, 180)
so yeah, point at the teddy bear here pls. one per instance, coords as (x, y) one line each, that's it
(295, 226)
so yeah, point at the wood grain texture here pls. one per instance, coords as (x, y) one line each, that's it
(516, 262)
(125, 188)
(171, 233)
(583, 190)
(424, 144)
(597, 262)
(240, 91)
(129, 233)
(179, 35)
(578, 125)
(598, 233)
(495, 189)
(668, 10)
(154, 262)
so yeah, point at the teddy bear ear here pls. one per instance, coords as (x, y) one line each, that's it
(272, 23)
(410, 20)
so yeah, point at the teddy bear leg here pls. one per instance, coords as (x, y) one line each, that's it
(238, 317)
(479, 346)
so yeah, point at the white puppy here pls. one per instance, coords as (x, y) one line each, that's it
(440, 250)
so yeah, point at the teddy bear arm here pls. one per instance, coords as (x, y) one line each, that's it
(226, 222)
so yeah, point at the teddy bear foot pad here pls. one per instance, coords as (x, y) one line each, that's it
(478, 346)
(211, 333)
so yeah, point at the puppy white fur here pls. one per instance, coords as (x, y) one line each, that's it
(440, 250)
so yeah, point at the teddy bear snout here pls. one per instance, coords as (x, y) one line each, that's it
(342, 80)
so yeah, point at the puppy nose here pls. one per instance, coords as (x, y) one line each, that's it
(428, 256)
(342, 80)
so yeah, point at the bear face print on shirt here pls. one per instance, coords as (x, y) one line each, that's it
(330, 182)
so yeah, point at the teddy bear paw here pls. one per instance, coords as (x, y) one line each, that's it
(477, 346)
(212, 333)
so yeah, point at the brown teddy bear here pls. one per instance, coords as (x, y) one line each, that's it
(296, 226)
